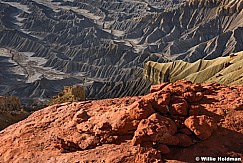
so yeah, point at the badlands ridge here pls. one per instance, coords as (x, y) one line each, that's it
(104, 45)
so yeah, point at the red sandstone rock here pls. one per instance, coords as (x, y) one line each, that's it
(85, 127)
(192, 96)
(164, 149)
(148, 156)
(183, 82)
(81, 116)
(147, 144)
(158, 87)
(162, 98)
(185, 131)
(169, 140)
(88, 141)
(194, 110)
(208, 90)
(202, 126)
(234, 121)
(141, 109)
(105, 130)
(178, 90)
(155, 128)
(179, 106)
(196, 87)
(199, 96)
(159, 101)
(65, 146)
(184, 85)
(168, 88)
(184, 140)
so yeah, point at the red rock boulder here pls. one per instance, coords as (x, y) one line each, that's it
(194, 110)
(164, 149)
(156, 129)
(179, 106)
(202, 126)
(159, 101)
(192, 96)
(148, 155)
(158, 87)
(184, 140)
(81, 116)
(196, 87)
(141, 109)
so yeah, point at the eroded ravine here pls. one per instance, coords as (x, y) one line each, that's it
(109, 41)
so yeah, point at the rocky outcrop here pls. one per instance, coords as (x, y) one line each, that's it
(10, 103)
(224, 70)
(202, 126)
(11, 111)
(69, 94)
(132, 129)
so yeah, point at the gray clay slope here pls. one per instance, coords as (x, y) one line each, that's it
(107, 42)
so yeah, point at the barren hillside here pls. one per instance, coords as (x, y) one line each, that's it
(104, 44)
(224, 70)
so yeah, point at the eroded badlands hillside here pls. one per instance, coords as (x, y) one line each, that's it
(49, 44)
(224, 70)
(176, 122)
